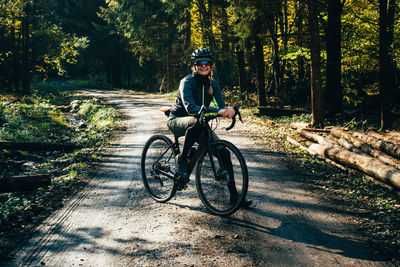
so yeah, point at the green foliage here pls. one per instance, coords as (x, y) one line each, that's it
(98, 117)
(66, 53)
(94, 81)
(31, 122)
(305, 117)
(35, 43)
(236, 97)
(146, 45)
(30, 119)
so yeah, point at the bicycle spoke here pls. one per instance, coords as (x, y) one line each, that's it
(158, 166)
(222, 187)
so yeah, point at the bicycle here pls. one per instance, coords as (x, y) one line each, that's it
(222, 188)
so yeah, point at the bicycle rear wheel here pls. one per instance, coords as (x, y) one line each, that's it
(158, 168)
(223, 189)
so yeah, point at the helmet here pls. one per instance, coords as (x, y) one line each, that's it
(202, 54)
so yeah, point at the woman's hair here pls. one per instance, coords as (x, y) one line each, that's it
(210, 90)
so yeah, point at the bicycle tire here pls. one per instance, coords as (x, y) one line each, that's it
(214, 191)
(157, 166)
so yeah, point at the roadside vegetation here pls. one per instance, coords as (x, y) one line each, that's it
(57, 113)
(376, 207)
(53, 114)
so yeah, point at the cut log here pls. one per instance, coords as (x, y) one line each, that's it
(297, 144)
(394, 133)
(390, 138)
(307, 126)
(35, 146)
(314, 137)
(302, 140)
(300, 125)
(23, 183)
(365, 147)
(365, 164)
(349, 146)
(385, 146)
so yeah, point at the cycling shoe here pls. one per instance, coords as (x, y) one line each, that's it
(183, 176)
(245, 204)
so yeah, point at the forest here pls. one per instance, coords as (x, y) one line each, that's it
(338, 59)
(335, 62)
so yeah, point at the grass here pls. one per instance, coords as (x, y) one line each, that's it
(38, 118)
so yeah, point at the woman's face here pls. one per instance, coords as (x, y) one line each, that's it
(203, 67)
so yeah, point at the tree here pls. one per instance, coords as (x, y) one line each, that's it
(151, 29)
(386, 70)
(334, 93)
(250, 23)
(33, 42)
(316, 95)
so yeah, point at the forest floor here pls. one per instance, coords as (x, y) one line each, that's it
(303, 213)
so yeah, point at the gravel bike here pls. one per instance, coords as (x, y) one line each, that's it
(221, 174)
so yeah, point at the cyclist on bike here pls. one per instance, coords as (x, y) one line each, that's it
(195, 90)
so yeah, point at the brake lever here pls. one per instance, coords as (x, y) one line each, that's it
(237, 112)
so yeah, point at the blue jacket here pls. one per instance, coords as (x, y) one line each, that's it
(193, 93)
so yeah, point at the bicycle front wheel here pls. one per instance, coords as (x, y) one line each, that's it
(221, 179)
(158, 168)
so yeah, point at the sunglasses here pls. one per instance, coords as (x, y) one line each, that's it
(201, 63)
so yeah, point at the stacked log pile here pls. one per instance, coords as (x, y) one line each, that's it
(374, 154)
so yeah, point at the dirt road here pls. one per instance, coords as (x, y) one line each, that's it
(112, 222)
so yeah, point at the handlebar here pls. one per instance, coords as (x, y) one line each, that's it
(237, 112)
(203, 111)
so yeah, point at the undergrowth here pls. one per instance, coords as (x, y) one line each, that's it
(46, 116)
(358, 192)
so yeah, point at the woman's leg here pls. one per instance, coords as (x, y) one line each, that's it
(189, 127)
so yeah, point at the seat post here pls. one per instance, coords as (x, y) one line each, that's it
(176, 145)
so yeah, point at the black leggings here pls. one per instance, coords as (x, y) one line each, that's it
(192, 135)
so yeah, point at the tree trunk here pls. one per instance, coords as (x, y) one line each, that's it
(282, 89)
(116, 73)
(303, 93)
(26, 55)
(226, 67)
(170, 74)
(23, 183)
(206, 20)
(386, 70)
(316, 94)
(333, 64)
(188, 30)
(260, 65)
(16, 70)
(243, 83)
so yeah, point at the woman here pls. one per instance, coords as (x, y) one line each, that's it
(195, 90)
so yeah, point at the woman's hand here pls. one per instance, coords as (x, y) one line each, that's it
(228, 112)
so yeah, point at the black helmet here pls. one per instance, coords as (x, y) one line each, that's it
(202, 54)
